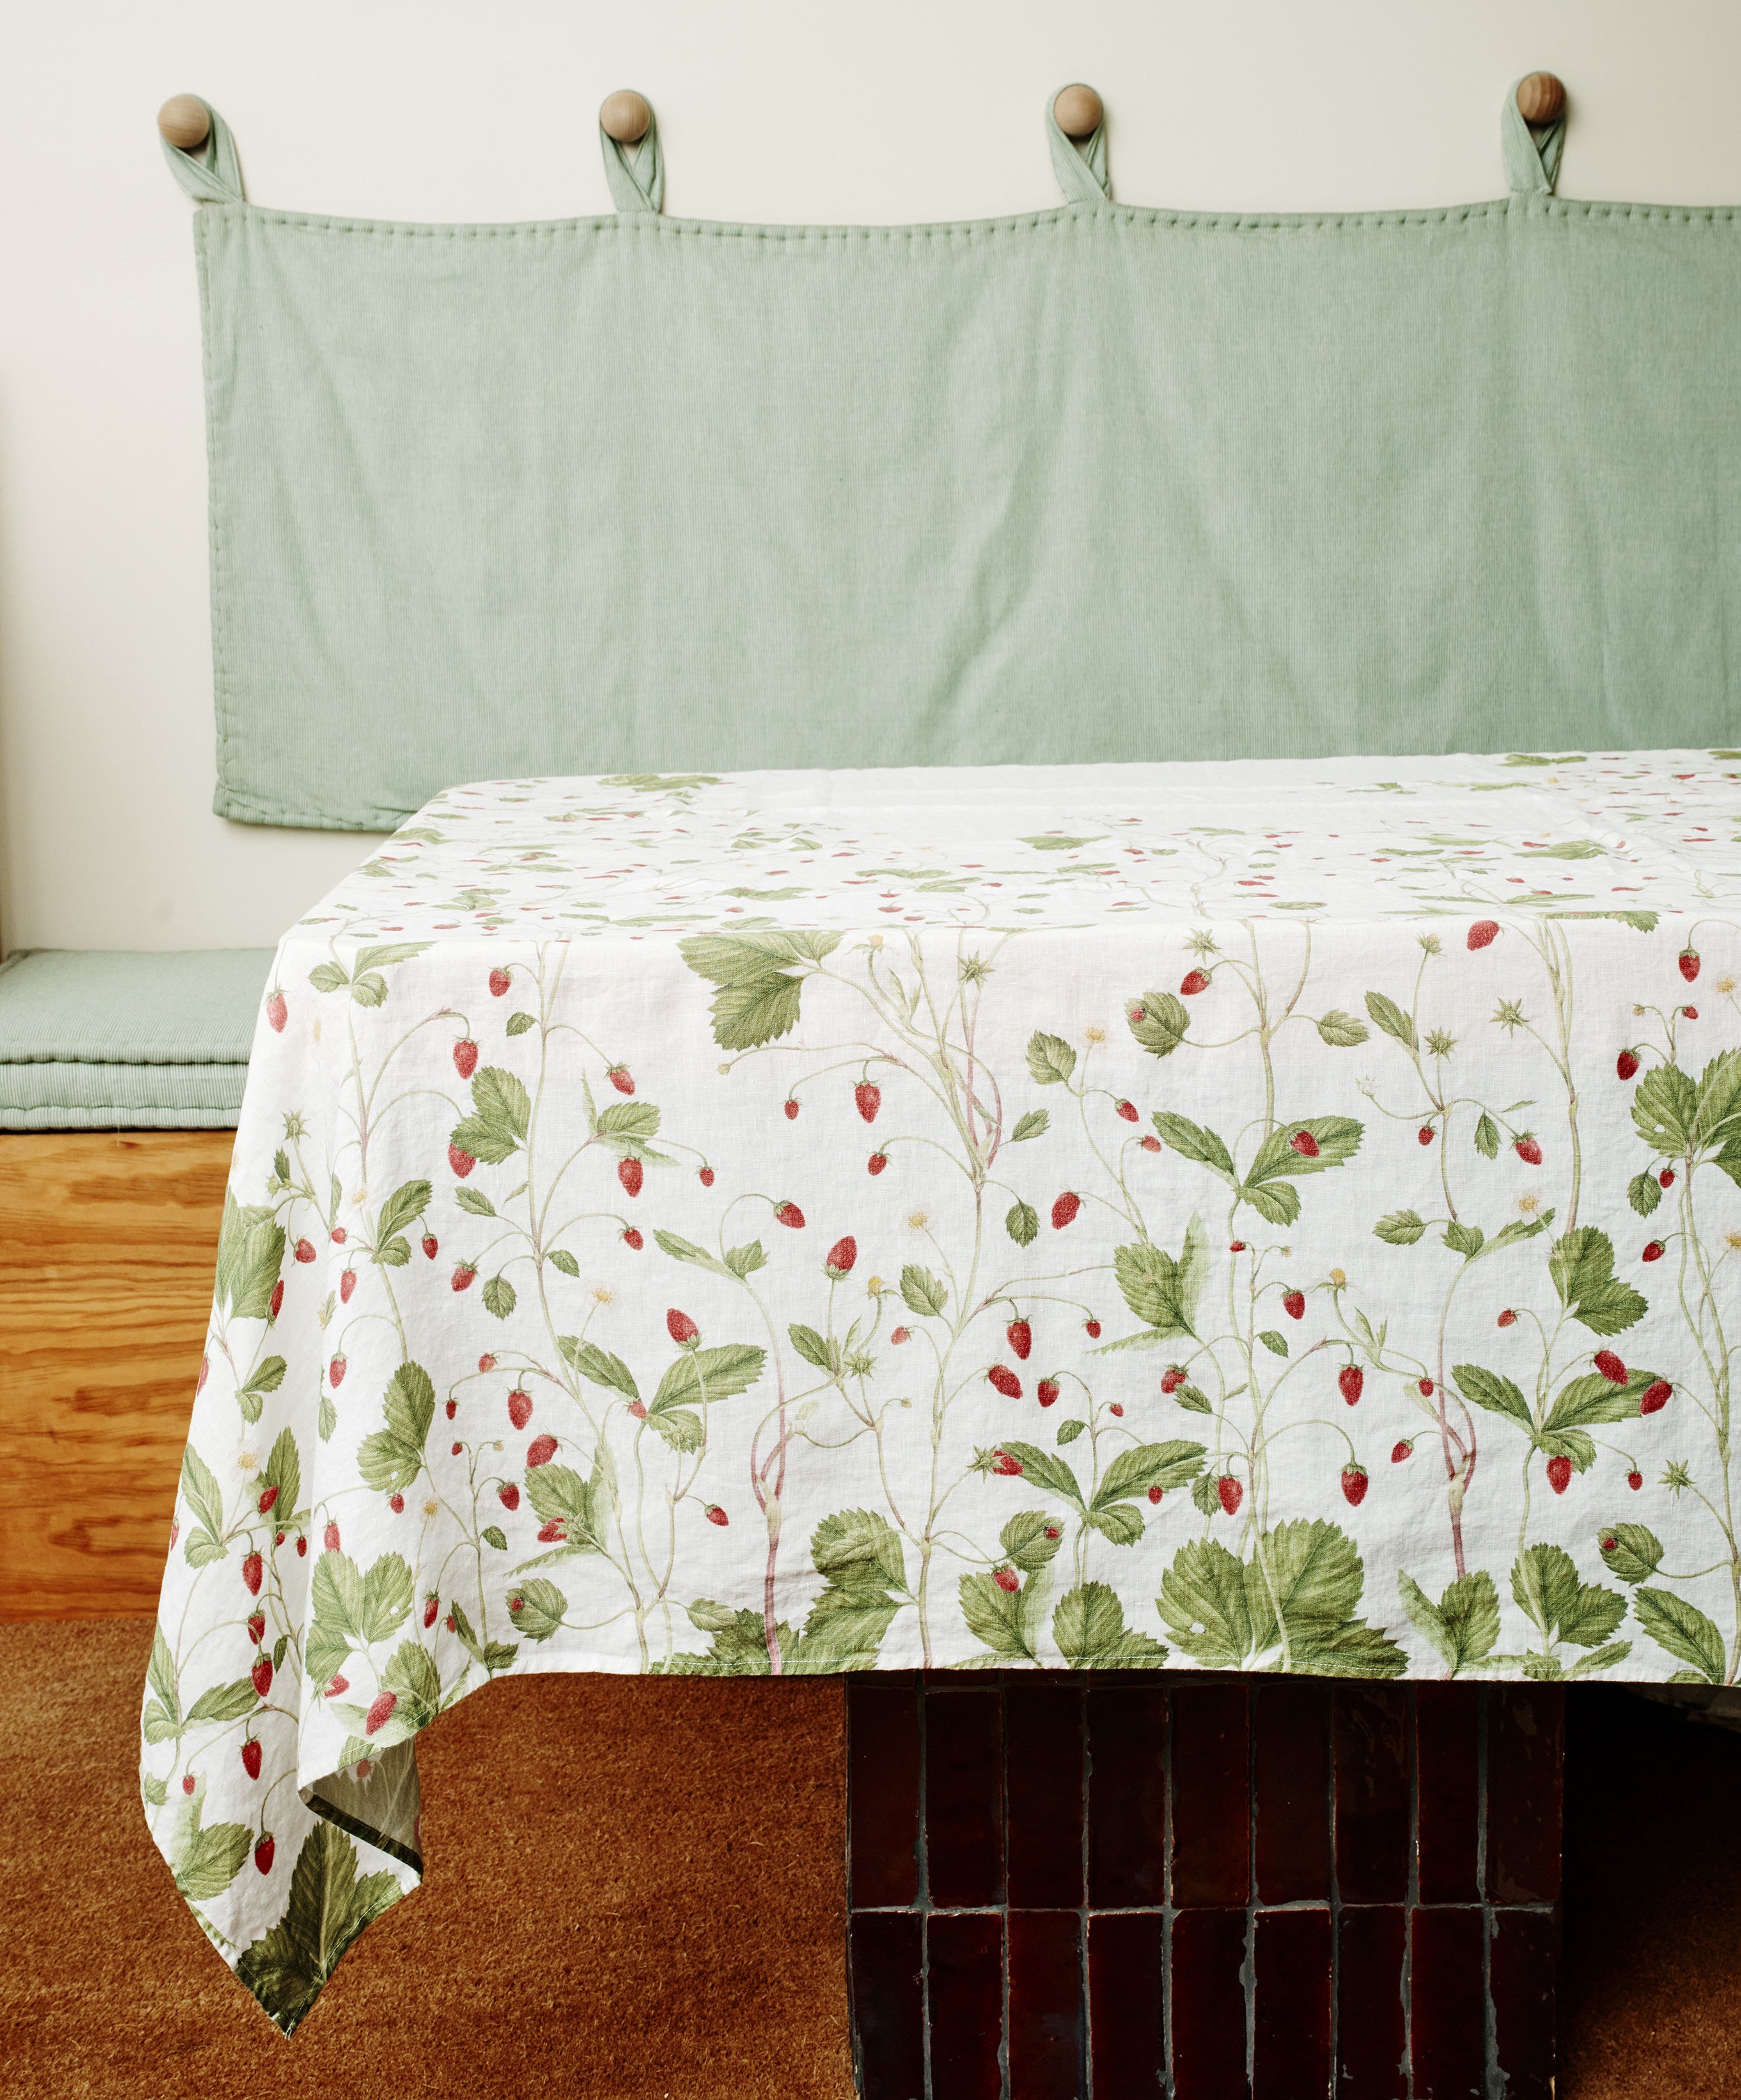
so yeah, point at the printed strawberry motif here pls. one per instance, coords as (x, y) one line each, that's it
(1656, 1396)
(1116, 1407)
(305, 1250)
(1424, 1134)
(876, 1162)
(840, 1258)
(1020, 1336)
(431, 1606)
(631, 1238)
(1635, 1479)
(902, 1334)
(1354, 1479)
(205, 1372)
(396, 1503)
(1665, 1179)
(1064, 1209)
(251, 1756)
(1004, 1465)
(1611, 1366)
(1127, 1109)
(380, 1713)
(431, 1246)
(715, 1515)
(1232, 1493)
(460, 1161)
(1006, 1580)
(1235, 1247)
(1424, 1386)
(1401, 1451)
(263, 1852)
(638, 1408)
(1172, 1377)
(1151, 1144)
(1653, 1250)
(508, 1496)
(1508, 1318)
(1294, 1304)
(256, 1628)
(1155, 1495)
(1005, 1380)
(1526, 1149)
(1626, 1064)
(1193, 982)
(1304, 1143)
(453, 1409)
(1689, 1013)
(302, 1543)
(277, 1011)
(253, 1568)
(704, 1174)
(347, 1284)
(1483, 934)
(329, 1538)
(1046, 1391)
(788, 1214)
(621, 1078)
(339, 1236)
(465, 1057)
(867, 1099)
(268, 1496)
(187, 1782)
(499, 981)
(519, 1407)
(261, 1675)
(790, 1108)
(463, 1273)
(1352, 1381)
(1559, 1474)
(276, 1304)
(1092, 1329)
(455, 1451)
(336, 1370)
(631, 1173)
(553, 1532)
(1688, 959)
(681, 1329)
(541, 1450)
(486, 1362)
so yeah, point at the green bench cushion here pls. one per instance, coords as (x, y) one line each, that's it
(105, 1040)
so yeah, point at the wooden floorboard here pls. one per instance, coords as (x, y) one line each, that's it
(108, 1242)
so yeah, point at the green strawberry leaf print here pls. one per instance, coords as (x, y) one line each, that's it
(1632, 1552)
(501, 1114)
(390, 1459)
(1683, 1630)
(864, 1562)
(1463, 1626)
(328, 1907)
(1088, 1628)
(1050, 1060)
(1581, 1267)
(759, 979)
(1158, 1021)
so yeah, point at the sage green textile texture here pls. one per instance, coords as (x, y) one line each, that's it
(633, 493)
(106, 1040)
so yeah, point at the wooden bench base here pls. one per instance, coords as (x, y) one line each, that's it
(108, 1245)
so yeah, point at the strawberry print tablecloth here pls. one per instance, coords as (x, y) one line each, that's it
(1244, 1216)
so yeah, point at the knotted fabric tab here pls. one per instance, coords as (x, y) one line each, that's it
(636, 173)
(1081, 163)
(212, 173)
(1532, 150)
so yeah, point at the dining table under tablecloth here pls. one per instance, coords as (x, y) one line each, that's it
(1245, 1216)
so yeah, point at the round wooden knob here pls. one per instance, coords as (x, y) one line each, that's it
(1541, 99)
(1078, 110)
(625, 116)
(185, 121)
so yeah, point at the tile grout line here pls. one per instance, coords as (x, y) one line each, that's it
(922, 1895)
(1248, 1969)
(1336, 1903)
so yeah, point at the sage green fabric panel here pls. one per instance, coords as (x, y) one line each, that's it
(120, 1097)
(635, 494)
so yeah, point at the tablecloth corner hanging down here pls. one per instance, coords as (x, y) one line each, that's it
(1250, 1217)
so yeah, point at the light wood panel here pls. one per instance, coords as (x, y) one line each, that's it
(107, 1243)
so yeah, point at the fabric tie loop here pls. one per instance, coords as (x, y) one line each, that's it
(211, 172)
(636, 172)
(1080, 163)
(1533, 151)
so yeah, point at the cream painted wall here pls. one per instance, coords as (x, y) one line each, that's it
(768, 109)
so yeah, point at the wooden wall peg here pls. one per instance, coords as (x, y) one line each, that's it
(185, 121)
(625, 116)
(1541, 99)
(1078, 110)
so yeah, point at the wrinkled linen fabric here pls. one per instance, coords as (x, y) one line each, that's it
(1245, 1216)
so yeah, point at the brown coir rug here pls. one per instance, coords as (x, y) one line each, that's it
(634, 1888)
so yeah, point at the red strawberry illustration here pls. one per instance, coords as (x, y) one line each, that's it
(622, 1079)
(681, 1329)
(1354, 1483)
(463, 1273)
(715, 1515)
(1688, 959)
(1235, 1247)
(1156, 1493)
(705, 1175)
(631, 1238)
(1656, 1396)
(508, 1495)
(1401, 1451)
(1127, 1109)
(1116, 1407)
(638, 1408)
(1611, 1366)
(1294, 1304)
(1151, 1144)
(1425, 1387)
(276, 1304)
(329, 1537)
(465, 1057)
(1689, 1013)
(519, 1407)
(867, 1099)
(499, 982)
(1006, 1580)
(1046, 1391)
(256, 1628)
(1508, 1318)
(448, 1623)
(486, 1362)
(1559, 1474)
(336, 1370)
(431, 1606)
(1635, 1480)
(1665, 1179)
(380, 1713)
(1005, 1381)
(453, 1409)
(261, 1675)
(302, 1543)
(1304, 1143)
(902, 1334)
(1425, 1133)
(277, 1012)
(1653, 1250)
(396, 1503)
(1004, 1464)
(455, 1452)
(1231, 1492)
(431, 1246)
(205, 1372)
(1526, 1149)
(791, 1109)
(1091, 1328)
(1172, 1377)
(1353, 1380)
(305, 1250)
(789, 1213)
(1626, 1064)
(461, 1162)
(1020, 1336)
(840, 1258)
(253, 1567)
(1193, 982)
(876, 1162)
(251, 1756)
(339, 1236)
(187, 1782)
(631, 1173)
(263, 1852)
(1483, 934)
(1064, 1209)
(347, 1284)
(268, 1496)
(541, 1450)
(553, 1531)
